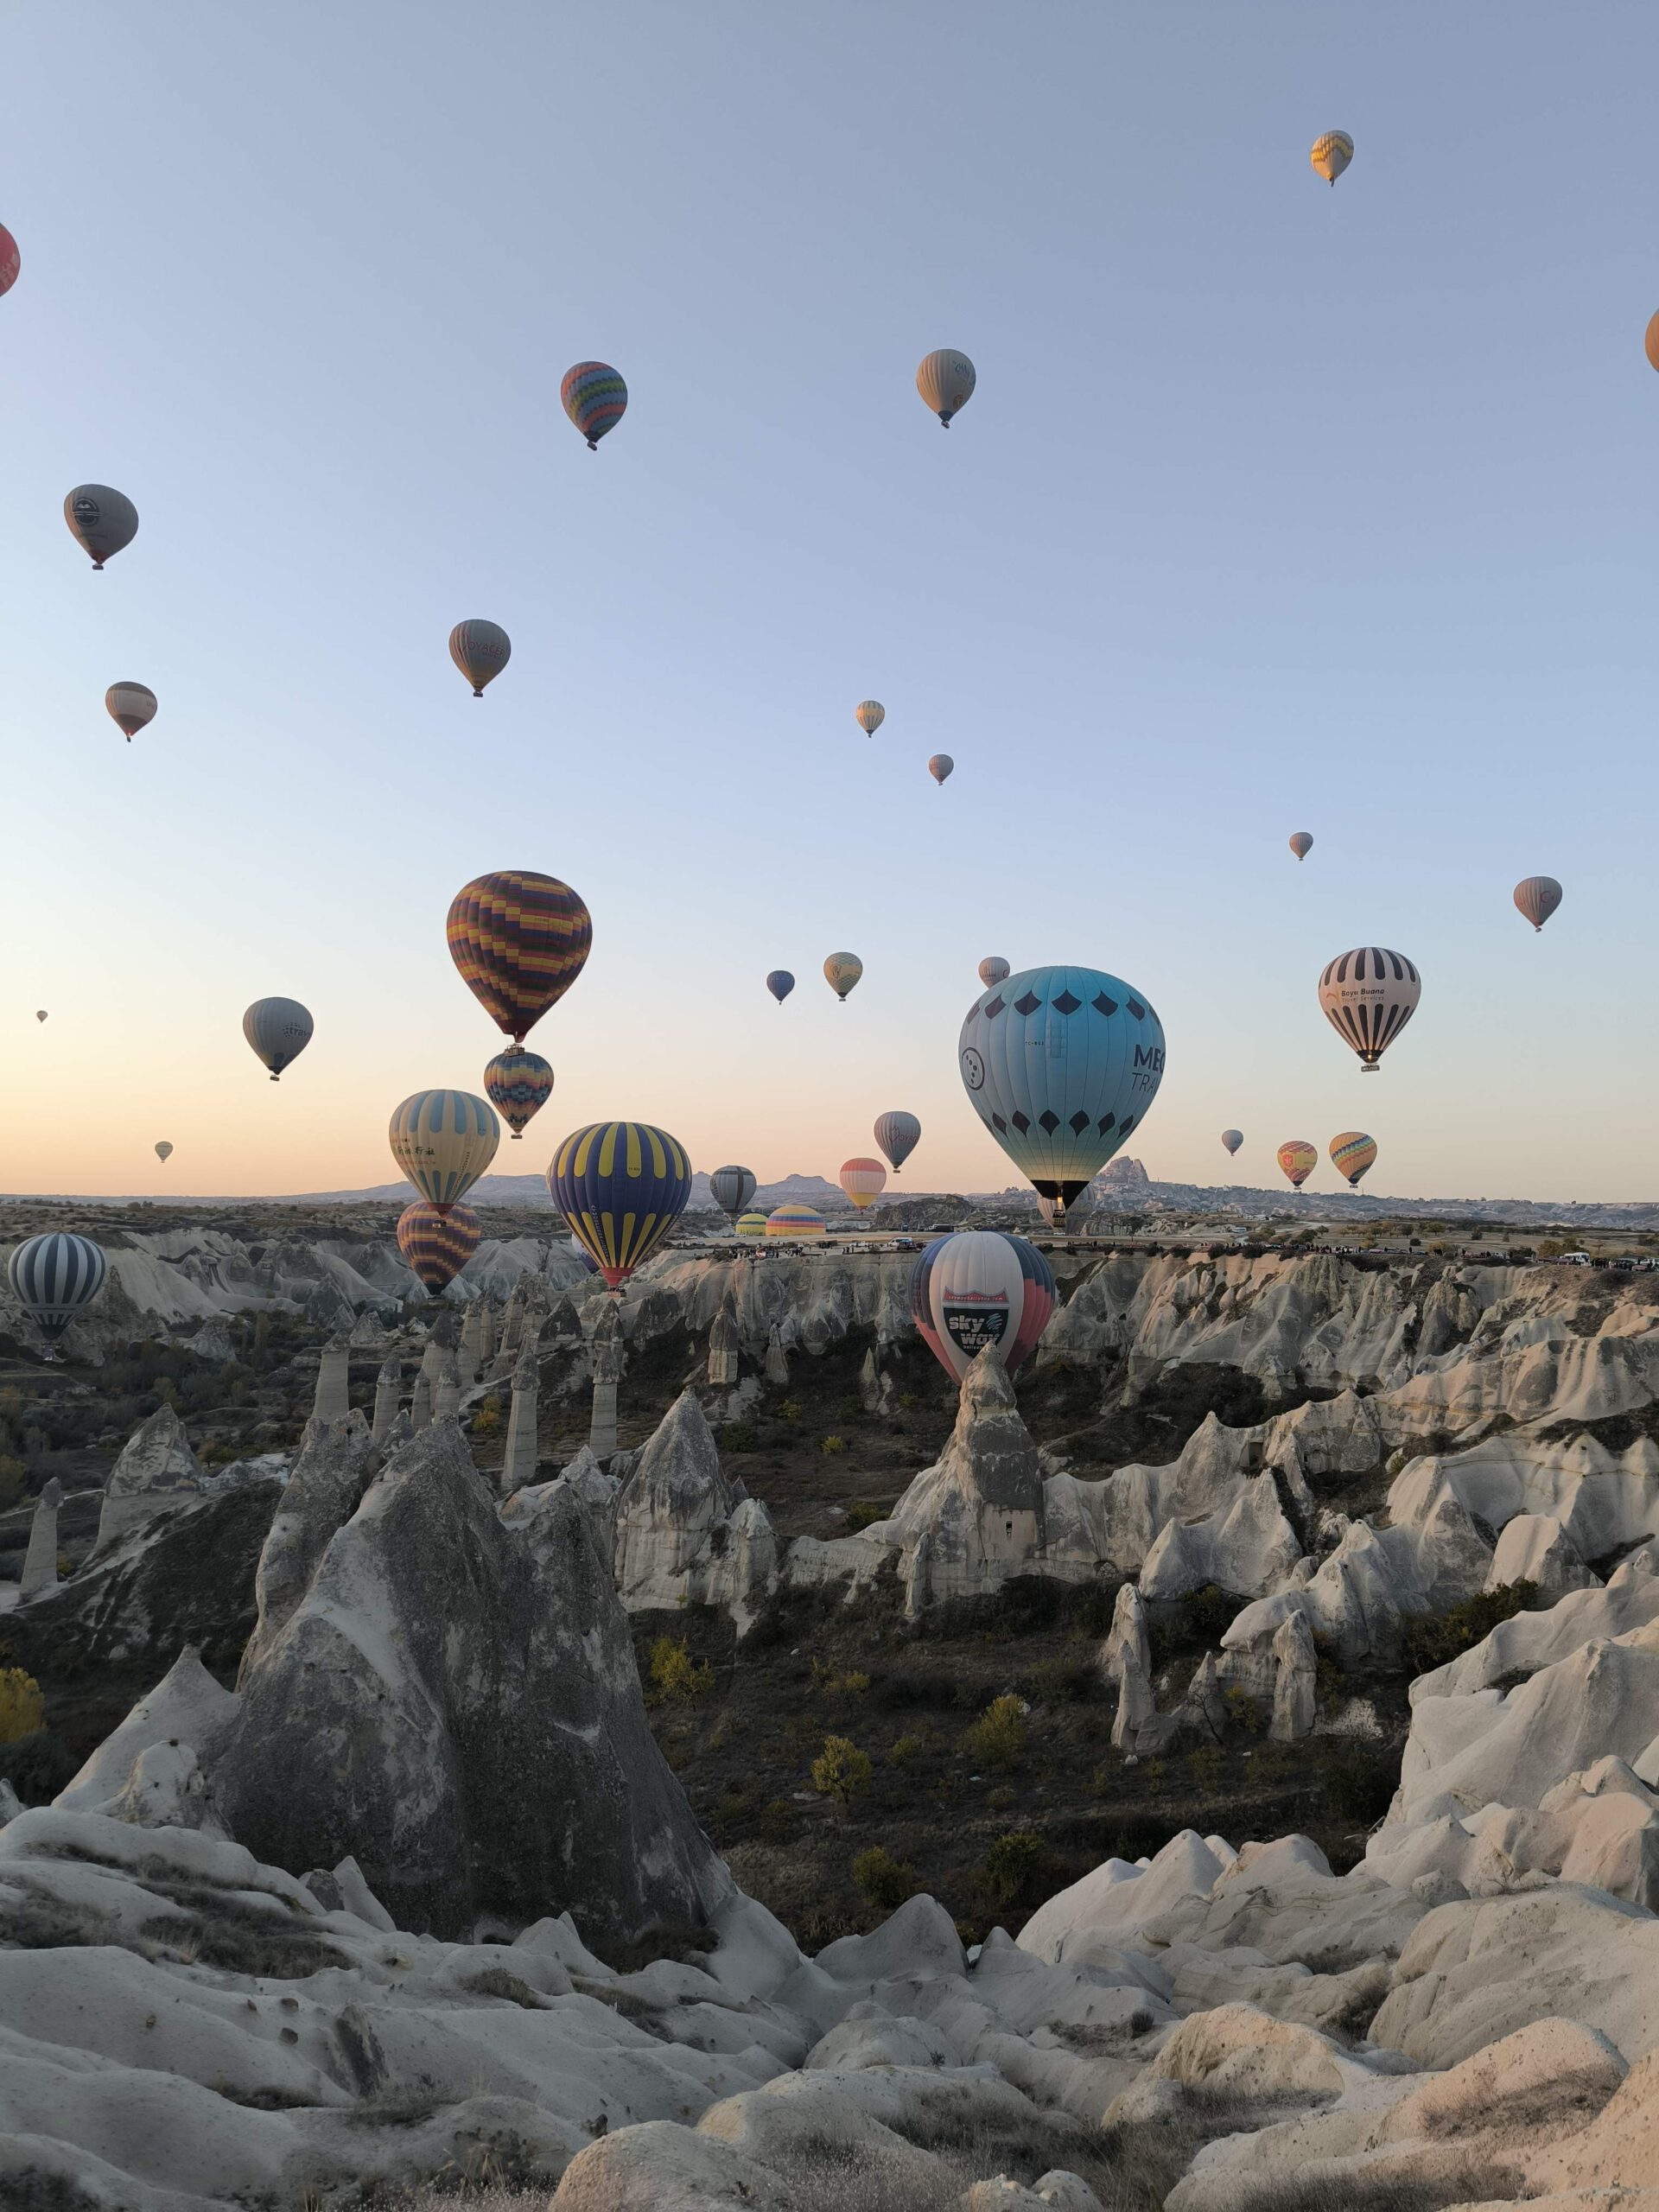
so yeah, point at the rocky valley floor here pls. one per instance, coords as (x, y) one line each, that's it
(688, 1754)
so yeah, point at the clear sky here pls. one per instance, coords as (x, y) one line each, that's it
(1277, 507)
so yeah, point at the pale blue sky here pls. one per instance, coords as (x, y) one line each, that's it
(1277, 507)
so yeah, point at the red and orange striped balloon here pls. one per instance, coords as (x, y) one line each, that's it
(437, 1246)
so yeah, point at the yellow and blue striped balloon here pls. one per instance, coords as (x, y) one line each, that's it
(622, 1186)
(443, 1140)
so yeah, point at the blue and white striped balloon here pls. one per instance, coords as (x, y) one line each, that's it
(1061, 1063)
(54, 1277)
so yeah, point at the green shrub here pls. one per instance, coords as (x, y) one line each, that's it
(37, 1766)
(1243, 1711)
(1003, 1798)
(863, 1513)
(790, 1410)
(777, 1820)
(904, 1749)
(1207, 1764)
(737, 1436)
(997, 1738)
(676, 1676)
(831, 1444)
(1360, 1785)
(22, 1709)
(1012, 1861)
(11, 1481)
(487, 1419)
(841, 1772)
(886, 1881)
(1432, 1639)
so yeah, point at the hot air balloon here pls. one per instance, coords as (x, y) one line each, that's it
(940, 766)
(437, 1246)
(588, 1263)
(841, 972)
(595, 399)
(731, 1189)
(752, 1224)
(1331, 154)
(1301, 844)
(1651, 343)
(1367, 996)
(993, 971)
(1298, 1159)
(945, 380)
(54, 1277)
(163, 1151)
(519, 940)
(981, 1286)
(1232, 1138)
(40, 1013)
(132, 705)
(518, 1084)
(1537, 897)
(898, 1133)
(622, 1186)
(862, 1181)
(11, 259)
(795, 1221)
(279, 1030)
(869, 715)
(102, 520)
(1352, 1154)
(443, 1140)
(1060, 1065)
(481, 651)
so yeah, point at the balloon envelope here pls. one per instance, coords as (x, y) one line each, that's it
(869, 715)
(11, 259)
(1353, 1152)
(752, 1224)
(993, 971)
(1298, 1159)
(518, 1084)
(795, 1221)
(481, 651)
(41, 1014)
(54, 1277)
(945, 379)
(594, 397)
(163, 1151)
(898, 1135)
(443, 1140)
(862, 1181)
(1331, 153)
(130, 705)
(1367, 996)
(101, 520)
(1650, 342)
(731, 1189)
(981, 1286)
(437, 1246)
(841, 972)
(622, 1186)
(940, 766)
(1061, 1063)
(1301, 844)
(278, 1030)
(780, 983)
(1232, 1138)
(519, 941)
(1537, 897)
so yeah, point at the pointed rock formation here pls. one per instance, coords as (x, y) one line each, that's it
(684, 1533)
(452, 1700)
(446, 1391)
(369, 1332)
(333, 1398)
(41, 1560)
(187, 1706)
(1295, 1689)
(156, 1469)
(777, 1359)
(470, 1355)
(725, 1345)
(1136, 1705)
(420, 1408)
(388, 1389)
(520, 1460)
(329, 1476)
(1247, 1550)
(1128, 1641)
(608, 1356)
(981, 1505)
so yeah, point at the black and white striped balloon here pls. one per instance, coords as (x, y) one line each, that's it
(54, 1277)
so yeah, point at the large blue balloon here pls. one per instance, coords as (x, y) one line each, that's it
(621, 1186)
(1061, 1064)
(780, 983)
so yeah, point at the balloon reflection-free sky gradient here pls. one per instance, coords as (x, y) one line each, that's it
(1276, 507)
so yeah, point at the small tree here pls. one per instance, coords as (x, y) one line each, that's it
(675, 1675)
(487, 1419)
(885, 1880)
(22, 1709)
(997, 1738)
(1011, 1862)
(841, 1772)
